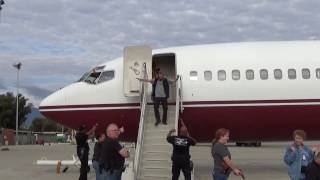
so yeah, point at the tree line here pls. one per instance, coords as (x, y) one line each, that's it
(8, 105)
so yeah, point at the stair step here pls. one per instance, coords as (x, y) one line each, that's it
(161, 148)
(149, 156)
(155, 177)
(164, 172)
(162, 163)
(162, 139)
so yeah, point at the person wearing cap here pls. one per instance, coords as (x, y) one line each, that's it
(313, 169)
(83, 148)
(180, 155)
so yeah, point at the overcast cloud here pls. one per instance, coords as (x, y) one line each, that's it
(57, 41)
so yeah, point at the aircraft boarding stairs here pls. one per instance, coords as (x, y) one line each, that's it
(156, 152)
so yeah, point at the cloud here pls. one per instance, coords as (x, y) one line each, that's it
(57, 41)
(36, 91)
(2, 85)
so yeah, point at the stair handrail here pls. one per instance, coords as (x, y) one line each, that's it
(181, 94)
(179, 104)
(143, 103)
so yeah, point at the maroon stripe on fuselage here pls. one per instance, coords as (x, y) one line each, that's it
(267, 123)
(90, 106)
(128, 118)
(252, 101)
(185, 103)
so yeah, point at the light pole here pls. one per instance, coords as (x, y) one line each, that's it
(18, 66)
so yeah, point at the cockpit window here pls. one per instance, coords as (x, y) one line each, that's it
(106, 76)
(92, 77)
(83, 77)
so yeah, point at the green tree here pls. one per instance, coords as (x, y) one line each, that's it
(41, 124)
(8, 110)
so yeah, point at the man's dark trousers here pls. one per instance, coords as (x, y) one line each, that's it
(83, 154)
(181, 164)
(164, 102)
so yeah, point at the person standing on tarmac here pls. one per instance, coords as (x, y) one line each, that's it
(160, 94)
(83, 149)
(223, 164)
(96, 159)
(298, 156)
(181, 156)
(113, 154)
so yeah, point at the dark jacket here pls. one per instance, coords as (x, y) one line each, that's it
(97, 151)
(165, 86)
(313, 171)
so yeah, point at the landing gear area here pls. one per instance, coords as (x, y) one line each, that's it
(248, 143)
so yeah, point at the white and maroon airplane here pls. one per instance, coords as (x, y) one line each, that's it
(262, 91)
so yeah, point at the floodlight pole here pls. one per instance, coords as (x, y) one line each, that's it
(18, 66)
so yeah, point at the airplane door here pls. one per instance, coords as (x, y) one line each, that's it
(133, 60)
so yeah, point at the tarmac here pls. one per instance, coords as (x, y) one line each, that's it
(258, 163)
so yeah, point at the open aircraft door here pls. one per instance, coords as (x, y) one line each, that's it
(134, 59)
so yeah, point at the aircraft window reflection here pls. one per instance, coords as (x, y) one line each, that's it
(83, 77)
(222, 75)
(250, 74)
(318, 73)
(306, 73)
(277, 74)
(292, 74)
(208, 75)
(106, 76)
(92, 77)
(235, 74)
(264, 74)
(193, 75)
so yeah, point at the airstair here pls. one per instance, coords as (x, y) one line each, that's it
(153, 152)
(155, 160)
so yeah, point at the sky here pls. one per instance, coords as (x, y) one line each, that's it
(58, 41)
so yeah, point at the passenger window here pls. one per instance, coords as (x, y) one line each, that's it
(250, 74)
(235, 74)
(264, 74)
(318, 73)
(292, 74)
(305, 73)
(222, 75)
(106, 76)
(277, 74)
(193, 75)
(208, 75)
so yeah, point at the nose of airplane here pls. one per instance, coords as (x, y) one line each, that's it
(57, 98)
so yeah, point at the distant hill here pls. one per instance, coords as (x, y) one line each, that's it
(34, 113)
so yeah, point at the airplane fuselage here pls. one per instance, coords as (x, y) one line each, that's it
(261, 91)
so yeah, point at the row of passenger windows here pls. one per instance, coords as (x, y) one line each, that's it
(250, 74)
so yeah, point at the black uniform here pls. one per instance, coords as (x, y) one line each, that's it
(110, 156)
(180, 156)
(97, 152)
(313, 171)
(83, 153)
